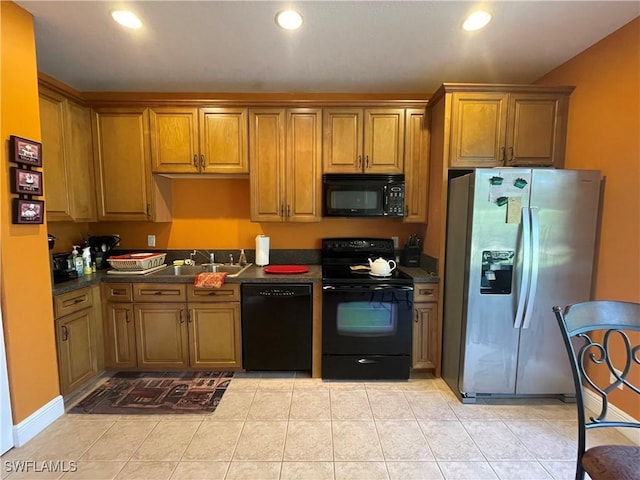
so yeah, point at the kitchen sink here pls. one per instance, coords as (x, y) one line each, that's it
(192, 270)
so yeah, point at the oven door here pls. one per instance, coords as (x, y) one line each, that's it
(366, 319)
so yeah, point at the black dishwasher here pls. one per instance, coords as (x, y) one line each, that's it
(276, 326)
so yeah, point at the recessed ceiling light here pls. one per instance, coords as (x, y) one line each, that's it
(126, 18)
(476, 20)
(289, 20)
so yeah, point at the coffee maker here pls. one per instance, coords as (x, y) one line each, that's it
(62, 268)
(100, 246)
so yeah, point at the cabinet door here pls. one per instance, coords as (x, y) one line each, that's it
(121, 152)
(267, 175)
(384, 140)
(425, 335)
(80, 168)
(56, 186)
(536, 130)
(223, 140)
(214, 335)
(478, 129)
(161, 335)
(303, 167)
(174, 140)
(416, 167)
(76, 353)
(343, 140)
(120, 336)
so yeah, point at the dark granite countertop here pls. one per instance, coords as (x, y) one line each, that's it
(253, 274)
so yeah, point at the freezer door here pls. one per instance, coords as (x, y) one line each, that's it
(494, 266)
(566, 203)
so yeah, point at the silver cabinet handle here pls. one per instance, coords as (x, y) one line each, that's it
(195, 161)
(65, 333)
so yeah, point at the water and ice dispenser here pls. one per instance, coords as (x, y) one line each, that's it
(497, 272)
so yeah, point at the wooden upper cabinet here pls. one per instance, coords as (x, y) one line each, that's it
(126, 188)
(205, 140)
(285, 174)
(56, 183)
(504, 125)
(174, 140)
(537, 129)
(68, 169)
(363, 140)
(416, 166)
(478, 128)
(223, 140)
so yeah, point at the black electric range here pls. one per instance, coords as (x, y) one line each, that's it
(366, 320)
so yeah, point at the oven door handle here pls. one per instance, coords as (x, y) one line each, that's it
(362, 288)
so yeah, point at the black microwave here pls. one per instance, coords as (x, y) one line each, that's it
(363, 195)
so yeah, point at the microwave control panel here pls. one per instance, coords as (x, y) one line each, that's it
(395, 201)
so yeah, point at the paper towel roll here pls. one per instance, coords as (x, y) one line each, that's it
(262, 250)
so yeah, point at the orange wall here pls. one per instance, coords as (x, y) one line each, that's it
(27, 311)
(215, 214)
(604, 134)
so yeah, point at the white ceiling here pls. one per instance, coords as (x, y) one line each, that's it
(343, 46)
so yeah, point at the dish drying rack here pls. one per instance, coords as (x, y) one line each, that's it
(134, 262)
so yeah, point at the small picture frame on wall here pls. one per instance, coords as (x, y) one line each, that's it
(28, 212)
(26, 182)
(25, 152)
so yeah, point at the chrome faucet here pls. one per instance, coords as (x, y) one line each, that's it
(231, 258)
(210, 256)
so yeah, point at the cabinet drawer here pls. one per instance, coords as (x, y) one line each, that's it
(159, 292)
(425, 292)
(72, 302)
(117, 292)
(227, 293)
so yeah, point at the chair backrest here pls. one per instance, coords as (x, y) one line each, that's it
(591, 332)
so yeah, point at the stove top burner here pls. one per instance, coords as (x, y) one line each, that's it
(340, 254)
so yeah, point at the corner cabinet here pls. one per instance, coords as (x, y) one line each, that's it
(126, 189)
(285, 176)
(426, 332)
(503, 125)
(68, 169)
(369, 140)
(199, 140)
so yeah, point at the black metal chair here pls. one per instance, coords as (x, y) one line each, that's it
(592, 331)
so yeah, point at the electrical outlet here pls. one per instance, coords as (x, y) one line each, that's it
(612, 378)
(395, 242)
(151, 240)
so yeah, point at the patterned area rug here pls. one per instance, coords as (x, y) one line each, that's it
(156, 392)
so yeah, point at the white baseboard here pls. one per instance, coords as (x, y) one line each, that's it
(593, 402)
(38, 421)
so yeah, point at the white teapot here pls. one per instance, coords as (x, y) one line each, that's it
(382, 266)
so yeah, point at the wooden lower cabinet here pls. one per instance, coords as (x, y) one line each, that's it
(120, 336)
(214, 335)
(172, 326)
(426, 338)
(161, 335)
(77, 340)
(76, 356)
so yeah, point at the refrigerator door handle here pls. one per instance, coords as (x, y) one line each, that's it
(535, 263)
(526, 267)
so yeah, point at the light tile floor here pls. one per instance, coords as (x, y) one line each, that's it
(288, 427)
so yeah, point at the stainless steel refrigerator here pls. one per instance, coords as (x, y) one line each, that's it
(519, 241)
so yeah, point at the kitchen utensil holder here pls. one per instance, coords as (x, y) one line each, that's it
(410, 256)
